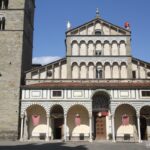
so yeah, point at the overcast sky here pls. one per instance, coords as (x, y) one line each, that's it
(51, 17)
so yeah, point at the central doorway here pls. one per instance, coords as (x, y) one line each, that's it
(100, 127)
(57, 117)
(58, 124)
(100, 108)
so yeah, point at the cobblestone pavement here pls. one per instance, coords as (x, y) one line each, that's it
(6, 145)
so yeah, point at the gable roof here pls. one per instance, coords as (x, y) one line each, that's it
(51, 63)
(100, 20)
(139, 60)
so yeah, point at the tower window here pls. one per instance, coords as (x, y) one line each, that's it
(98, 52)
(2, 23)
(4, 4)
(99, 74)
(134, 74)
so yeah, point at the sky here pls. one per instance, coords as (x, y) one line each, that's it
(51, 17)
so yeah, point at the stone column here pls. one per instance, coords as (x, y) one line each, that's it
(102, 49)
(79, 76)
(139, 130)
(138, 67)
(65, 127)
(79, 49)
(111, 70)
(38, 74)
(119, 50)
(47, 134)
(103, 73)
(87, 72)
(145, 71)
(113, 128)
(53, 75)
(52, 128)
(86, 30)
(21, 132)
(111, 49)
(90, 126)
(25, 136)
(94, 72)
(109, 30)
(119, 71)
(60, 70)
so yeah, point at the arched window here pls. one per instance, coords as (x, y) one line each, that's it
(101, 102)
(99, 73)
(4, 4)
(2, 23)
(98, 32)
(0, 4)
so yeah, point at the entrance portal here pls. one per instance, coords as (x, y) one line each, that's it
(100, 127)
(100, 106)
(57, 115)
(58, 124)
(143, 128)
(145, 122)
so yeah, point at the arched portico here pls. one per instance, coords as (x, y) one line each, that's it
(125, 121)
(57, 121)
(101, 110)
(78, 123)
(34, 123)
(145, 122)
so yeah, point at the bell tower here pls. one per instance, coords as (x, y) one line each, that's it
(16, 43)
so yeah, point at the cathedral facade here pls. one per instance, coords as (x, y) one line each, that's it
(97, 92)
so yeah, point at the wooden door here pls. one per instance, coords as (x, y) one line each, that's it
(100, 128)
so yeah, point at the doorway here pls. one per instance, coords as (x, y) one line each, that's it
(58, 125)
(57, 115)
(143, 126)
(100, 127)
(100, 108)
(145, 122)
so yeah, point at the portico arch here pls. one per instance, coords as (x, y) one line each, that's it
(100, 109)
(57, 121)
(126, 123)
(145, 122)
(35, 125)
(78, 123)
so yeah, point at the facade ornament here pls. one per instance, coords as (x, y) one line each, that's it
(68, 25)
(97, 13)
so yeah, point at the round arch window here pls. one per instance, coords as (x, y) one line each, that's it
(101, 102)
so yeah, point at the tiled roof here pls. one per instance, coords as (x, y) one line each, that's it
(90, 85)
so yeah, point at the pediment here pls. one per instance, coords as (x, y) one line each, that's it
(98, 26)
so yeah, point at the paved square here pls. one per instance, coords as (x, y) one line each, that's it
(72, 146)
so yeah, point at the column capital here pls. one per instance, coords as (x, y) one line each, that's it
(48, 115)
(22, 116)
(90, 115)
(65, 115)
(138, 115)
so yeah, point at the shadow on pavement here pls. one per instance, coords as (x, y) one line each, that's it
(43, 146)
